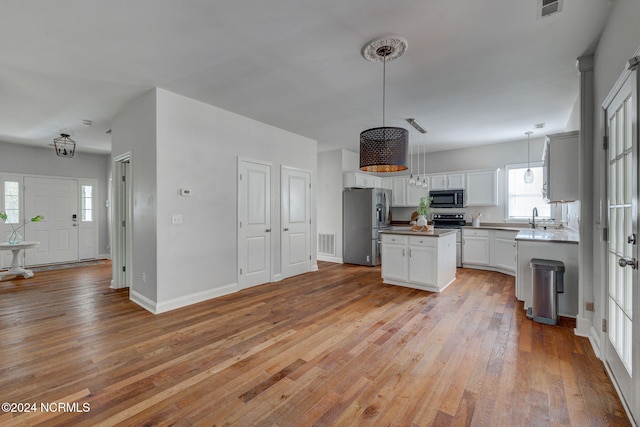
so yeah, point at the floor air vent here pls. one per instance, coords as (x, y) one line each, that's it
(327, 244)
(549, 7)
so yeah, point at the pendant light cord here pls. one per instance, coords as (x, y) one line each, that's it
(384, 85)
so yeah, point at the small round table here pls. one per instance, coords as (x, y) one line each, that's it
(15, 269)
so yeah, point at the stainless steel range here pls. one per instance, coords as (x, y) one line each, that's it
(453, 221)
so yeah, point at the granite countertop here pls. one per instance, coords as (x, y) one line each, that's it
(407, 231)
(558, 236)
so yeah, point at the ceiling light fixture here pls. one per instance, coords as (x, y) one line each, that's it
(528, 175)
(65, 146)
(384, 149)
(416, 125)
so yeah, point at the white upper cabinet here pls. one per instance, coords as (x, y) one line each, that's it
(482, 188)
(450, 181)
(398, 191)
(361, 180)
(414, 194)
(560, 169)
(403, 194)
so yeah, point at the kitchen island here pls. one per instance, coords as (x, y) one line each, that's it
(419, 259)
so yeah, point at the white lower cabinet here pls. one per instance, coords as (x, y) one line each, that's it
(490, 250)
(476, 246)
(505, 250)
(394, 257)
(423, 262)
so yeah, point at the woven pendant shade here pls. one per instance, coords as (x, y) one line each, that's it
(384, 149)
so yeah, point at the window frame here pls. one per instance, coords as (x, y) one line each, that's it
(508, 217)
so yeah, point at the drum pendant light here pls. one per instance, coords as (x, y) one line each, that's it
(528, 175)
(384, 149)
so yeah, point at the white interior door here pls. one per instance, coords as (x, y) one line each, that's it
(57, 200)
(254, 223)
(296, 221)
(623, 333)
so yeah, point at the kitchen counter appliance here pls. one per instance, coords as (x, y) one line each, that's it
(452, 221)
(365, 212)
(447, 198)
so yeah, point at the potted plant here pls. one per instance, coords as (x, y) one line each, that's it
(423, 211)
(14, 237)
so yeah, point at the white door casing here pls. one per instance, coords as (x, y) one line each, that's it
(121, 212)
(296, 221)
(254, 223)
(57, 200)
(622, 342)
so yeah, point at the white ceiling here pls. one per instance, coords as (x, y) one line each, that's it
(475, 72)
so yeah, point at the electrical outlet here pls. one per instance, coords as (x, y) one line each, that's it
(176, 219)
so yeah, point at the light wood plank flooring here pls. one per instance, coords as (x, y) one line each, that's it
(334, 347)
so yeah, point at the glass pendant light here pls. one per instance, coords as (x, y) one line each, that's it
(412, 180)
(424, 178)
(528, 175)
(418, 182)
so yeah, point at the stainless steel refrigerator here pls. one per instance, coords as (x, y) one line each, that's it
(365, 211)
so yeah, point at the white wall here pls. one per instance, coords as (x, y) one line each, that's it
(331, 167)
(134, 131)
(31, 160)
(619, 41)
(196, 146)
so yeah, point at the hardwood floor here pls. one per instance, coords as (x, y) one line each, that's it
(334, 347)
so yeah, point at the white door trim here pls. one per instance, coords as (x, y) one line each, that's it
(121, 210)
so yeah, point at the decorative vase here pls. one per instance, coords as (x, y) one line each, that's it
(14, 238)
(421, 221)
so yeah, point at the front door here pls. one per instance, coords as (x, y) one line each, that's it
(623, 333)
(57, 200)
(254, 223)
(296, 221)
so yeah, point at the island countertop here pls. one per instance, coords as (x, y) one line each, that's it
(438, 232)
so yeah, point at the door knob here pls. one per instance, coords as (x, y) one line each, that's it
(286, 229)
(268, 230)
(632, 239)
(631, 262)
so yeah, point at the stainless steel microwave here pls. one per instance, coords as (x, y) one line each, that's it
(447, 198)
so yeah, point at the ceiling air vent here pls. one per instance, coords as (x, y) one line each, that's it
(549, 7)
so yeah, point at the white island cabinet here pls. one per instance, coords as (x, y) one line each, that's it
(421, 260)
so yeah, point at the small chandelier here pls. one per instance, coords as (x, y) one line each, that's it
(384, 149)
(528, 175)
(65, 146)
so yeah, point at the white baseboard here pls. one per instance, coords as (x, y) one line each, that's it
(314, 267)
(143, 301)
(276, 277)
(104, 256)
(330, 258)
(195, 298)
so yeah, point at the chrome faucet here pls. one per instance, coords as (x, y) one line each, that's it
(533, 218)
